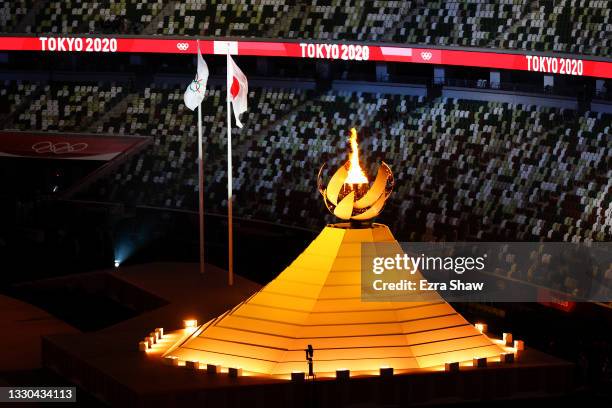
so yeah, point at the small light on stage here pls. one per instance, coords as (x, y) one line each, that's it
(343, 374)
(481, 327)
(298, 376)
(386, 371)
(190, 323)
(117, 263)
(451, 367)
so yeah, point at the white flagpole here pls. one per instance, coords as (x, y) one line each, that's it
(230, 230)
(201, 187)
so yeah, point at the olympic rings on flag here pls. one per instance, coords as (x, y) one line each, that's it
(196, 85)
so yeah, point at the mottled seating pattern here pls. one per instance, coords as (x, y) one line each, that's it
(62, 106)
(570, 26)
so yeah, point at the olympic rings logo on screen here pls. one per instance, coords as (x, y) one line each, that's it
(58, 148)
(182, 46)
(426, 55)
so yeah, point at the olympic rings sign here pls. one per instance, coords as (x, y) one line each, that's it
(426, 55)
(58, 148)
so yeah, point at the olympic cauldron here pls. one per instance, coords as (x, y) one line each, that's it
(349, 195)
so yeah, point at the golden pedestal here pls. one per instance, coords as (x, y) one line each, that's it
(317, 300)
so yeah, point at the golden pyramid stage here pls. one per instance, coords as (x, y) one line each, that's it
(317, 301)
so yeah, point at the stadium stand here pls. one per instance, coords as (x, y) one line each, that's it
(498, 192)
(200, 17)
(475, 172)
(11, 13)
(471, 23)
(568, 26)
(561, 26)
(13, 95)
(77, 16)
(464, 169)
(66, 107)
(339, 20)
(167, 174)
(467, 171)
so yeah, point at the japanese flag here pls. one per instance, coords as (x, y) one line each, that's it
(237, 89)
(195, 91)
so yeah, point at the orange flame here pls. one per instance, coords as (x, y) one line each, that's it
(355, 174)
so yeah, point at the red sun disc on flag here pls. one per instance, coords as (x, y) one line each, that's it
(235, 88)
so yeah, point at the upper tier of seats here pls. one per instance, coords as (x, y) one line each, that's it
(13, 95)
(464, 169)
(66, 106)
(569, 26)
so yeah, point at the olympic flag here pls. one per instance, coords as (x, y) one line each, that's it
(194, 94)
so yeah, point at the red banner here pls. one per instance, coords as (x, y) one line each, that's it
(65, 146)
(551, 63)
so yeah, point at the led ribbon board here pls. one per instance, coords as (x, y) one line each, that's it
(576, 65)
